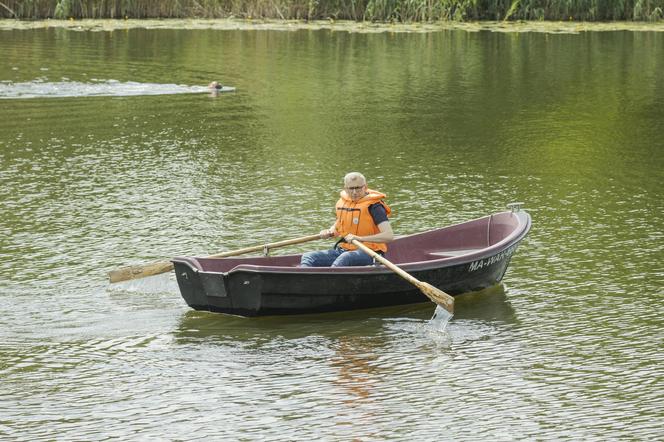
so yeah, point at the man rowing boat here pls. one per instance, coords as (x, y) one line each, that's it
(361, 214)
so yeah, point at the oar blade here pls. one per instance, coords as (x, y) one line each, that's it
(139, 271)
(438, 296)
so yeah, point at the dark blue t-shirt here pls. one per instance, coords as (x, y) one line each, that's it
(378, 213)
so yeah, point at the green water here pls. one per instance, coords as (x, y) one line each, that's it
(450, 125)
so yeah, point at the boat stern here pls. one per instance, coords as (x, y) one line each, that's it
(211, 291)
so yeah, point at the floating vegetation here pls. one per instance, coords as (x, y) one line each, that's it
(550, 27)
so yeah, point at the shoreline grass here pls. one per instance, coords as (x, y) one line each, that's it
(385, 11)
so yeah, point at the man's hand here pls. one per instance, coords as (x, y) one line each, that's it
(326, 233)
(350, 237)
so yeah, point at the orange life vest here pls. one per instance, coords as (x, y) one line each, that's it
(354, 217)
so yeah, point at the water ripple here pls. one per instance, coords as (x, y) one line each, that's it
(568, 348)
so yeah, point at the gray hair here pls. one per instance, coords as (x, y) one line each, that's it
(354, 176)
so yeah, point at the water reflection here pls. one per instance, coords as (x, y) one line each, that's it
(490, 305)
(214, 327)
(355, 359)
(483, 308)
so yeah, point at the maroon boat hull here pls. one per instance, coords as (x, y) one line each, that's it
(457, 259)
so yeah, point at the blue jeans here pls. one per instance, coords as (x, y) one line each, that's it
(336, 257)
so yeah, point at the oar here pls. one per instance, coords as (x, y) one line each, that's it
(436, 295)
(156, 268)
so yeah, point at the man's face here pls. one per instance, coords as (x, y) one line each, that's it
(356, 189)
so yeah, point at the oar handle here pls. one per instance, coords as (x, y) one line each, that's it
(159, 267)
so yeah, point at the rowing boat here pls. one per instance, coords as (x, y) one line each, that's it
(461, 258)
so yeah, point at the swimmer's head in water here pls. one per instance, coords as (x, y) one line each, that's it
(215, 85)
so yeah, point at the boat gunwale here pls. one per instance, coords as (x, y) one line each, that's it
(513, 238)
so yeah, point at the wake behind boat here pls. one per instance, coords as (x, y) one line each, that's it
(457, 259)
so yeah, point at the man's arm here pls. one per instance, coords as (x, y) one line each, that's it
(386, 235)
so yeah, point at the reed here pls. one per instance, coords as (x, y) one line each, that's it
(359, 10)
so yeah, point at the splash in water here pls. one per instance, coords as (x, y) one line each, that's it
(440, 319)
(163, 283)
(96, 88)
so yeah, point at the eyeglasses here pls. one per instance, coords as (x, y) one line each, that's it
(356, 188)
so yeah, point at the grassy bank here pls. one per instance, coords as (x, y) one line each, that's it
(403, 11)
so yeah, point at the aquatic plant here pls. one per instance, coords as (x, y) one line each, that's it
(365, 10)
